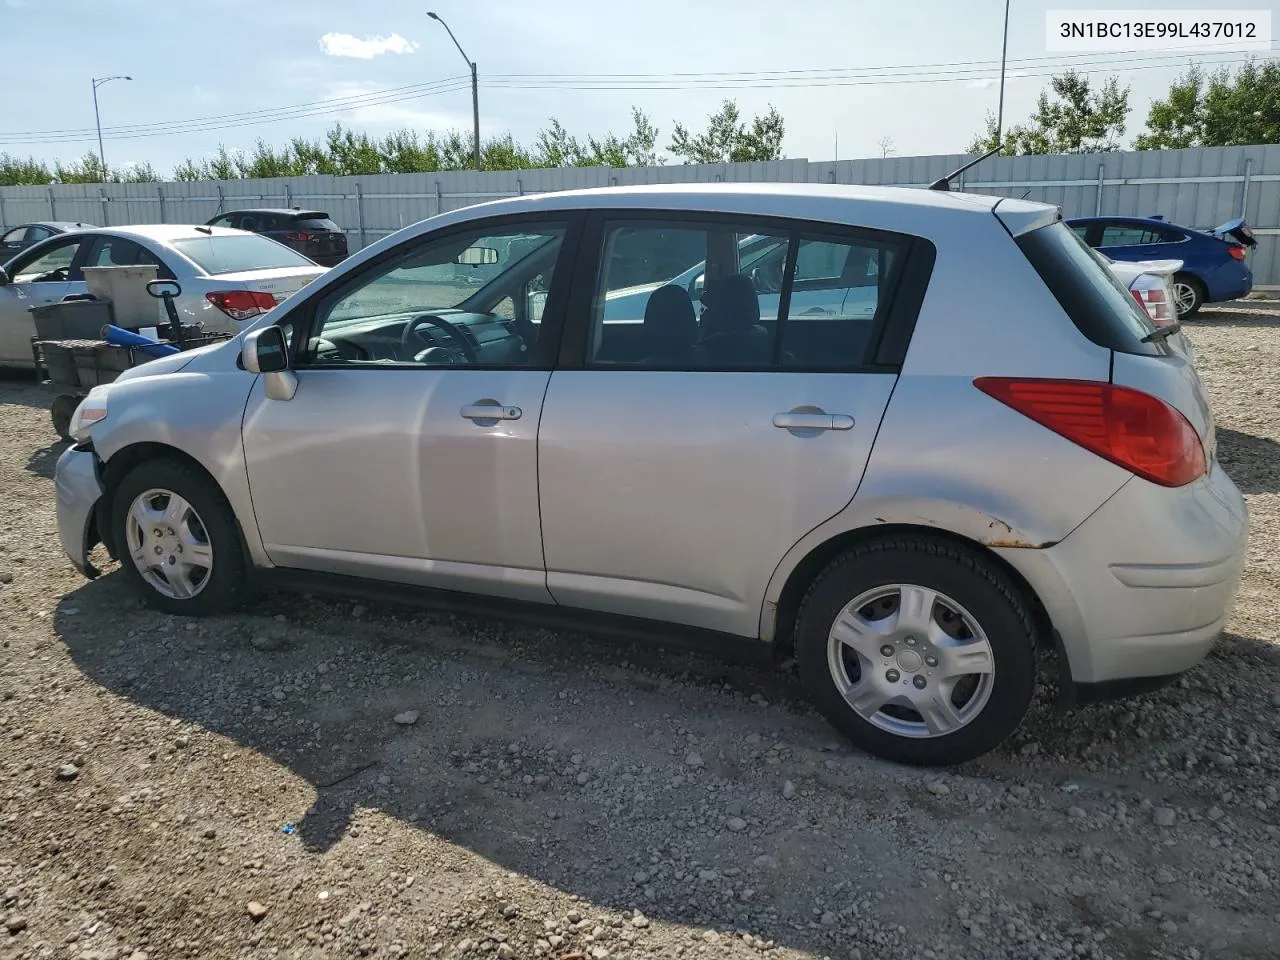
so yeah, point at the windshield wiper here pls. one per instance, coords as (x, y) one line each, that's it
(1163, 333)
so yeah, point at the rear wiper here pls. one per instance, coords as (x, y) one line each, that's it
(1163, 333)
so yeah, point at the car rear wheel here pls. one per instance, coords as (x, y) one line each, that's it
(918, 650)
(179, 544)
(1188, 295)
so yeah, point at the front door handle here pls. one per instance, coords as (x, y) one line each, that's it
(793, 420)
(491, 411)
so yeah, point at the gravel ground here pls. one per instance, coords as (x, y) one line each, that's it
(316, 779)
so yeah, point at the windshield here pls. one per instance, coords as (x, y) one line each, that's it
(317, 223)
(233, 254)
(1090, 294)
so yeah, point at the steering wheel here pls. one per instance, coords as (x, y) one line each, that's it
(767, 278)
(451, 331)
(56, 275)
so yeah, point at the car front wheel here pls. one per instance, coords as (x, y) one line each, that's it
(179, 543)
(919, 650)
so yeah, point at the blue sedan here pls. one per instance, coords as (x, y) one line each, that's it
(1214, 264)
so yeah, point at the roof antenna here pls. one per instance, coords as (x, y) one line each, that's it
(944, 183)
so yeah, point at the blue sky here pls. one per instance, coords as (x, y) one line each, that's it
(192, 59)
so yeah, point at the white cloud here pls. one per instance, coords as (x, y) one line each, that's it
(349, 45)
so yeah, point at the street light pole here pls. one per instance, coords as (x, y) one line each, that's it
(475, 87)
(1004, 52)
(97, 82)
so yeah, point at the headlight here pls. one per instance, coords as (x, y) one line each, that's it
(92, 409)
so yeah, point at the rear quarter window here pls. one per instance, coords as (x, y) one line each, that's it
(1088, 292)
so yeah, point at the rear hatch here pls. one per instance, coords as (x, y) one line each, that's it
(1238, 231)
(316, 235)
(1105, 312)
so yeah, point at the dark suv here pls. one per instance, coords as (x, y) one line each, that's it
(310, 232)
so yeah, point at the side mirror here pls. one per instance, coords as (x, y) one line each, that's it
(695, 286)
(4, 278)
(264, 351)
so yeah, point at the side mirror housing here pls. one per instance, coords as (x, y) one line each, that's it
(264, 351)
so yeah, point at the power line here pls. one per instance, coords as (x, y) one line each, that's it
(266, 114)
(725, 80)
(773, 83)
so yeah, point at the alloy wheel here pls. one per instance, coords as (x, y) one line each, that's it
(910, 660)
(168, 543)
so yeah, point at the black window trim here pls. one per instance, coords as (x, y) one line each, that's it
(550, 328)
(892, 327)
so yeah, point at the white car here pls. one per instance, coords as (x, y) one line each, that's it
(1151, 284)
(227, 276)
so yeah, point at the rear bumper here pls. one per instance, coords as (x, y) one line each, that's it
(78, 491)
(1140, 590)
(1231, 281)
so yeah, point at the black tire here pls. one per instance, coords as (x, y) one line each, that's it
(225, 586)
(1197, 294)
(985, 591)
(62, 410)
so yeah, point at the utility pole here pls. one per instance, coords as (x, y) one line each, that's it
(475, 87)
(97, 82)
(1004, 52)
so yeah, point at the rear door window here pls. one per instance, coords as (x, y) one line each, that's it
(112, 252)
(757, 297)
(1090, 294)
(835, 301)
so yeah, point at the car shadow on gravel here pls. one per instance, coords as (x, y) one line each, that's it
(634, 776)
(1252, 462)
(43, 461)
(1236, 315)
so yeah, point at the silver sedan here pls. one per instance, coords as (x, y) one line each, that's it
(228, 277)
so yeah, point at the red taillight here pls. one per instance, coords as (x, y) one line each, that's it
(241, 304)
(1237, 251)
(1156, 305)
(1130, 428)
(299, 235)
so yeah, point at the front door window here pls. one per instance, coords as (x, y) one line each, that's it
(471, 299)
(52, 265)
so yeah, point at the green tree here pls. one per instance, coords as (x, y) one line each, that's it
(1221, 110)
(15, 171)
(405, 152)
(727, 139)
(1070, 117)
(1177, 121)
(555, 147)
(137, 173)
(88, 169)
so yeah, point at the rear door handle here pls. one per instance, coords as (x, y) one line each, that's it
(813, 421)
(490, 410)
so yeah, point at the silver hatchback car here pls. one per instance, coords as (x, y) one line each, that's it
(916, 437)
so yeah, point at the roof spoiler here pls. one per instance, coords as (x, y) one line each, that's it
(944, 183)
